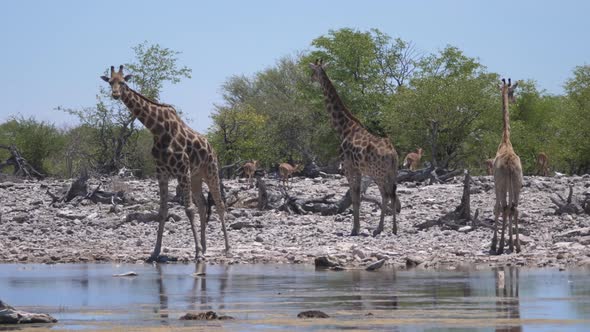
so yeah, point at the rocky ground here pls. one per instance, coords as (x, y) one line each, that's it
(32, 230)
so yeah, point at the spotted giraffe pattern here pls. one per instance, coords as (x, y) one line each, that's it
(179, 152)
(362, 153)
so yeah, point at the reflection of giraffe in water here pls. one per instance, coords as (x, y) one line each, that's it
(162, 296)
(203, 294)
(507, 299)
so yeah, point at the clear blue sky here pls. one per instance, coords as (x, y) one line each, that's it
(53, 52)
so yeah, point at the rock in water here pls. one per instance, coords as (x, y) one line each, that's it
(9, 315)
(126, 274)
(324, 261)
(377, 265)
(312, 314)
(413, 261)
(208, 315)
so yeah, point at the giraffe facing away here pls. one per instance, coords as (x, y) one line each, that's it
(249, 170)
(542, 164)
(361, 152)
(179, 152)
(507, 177)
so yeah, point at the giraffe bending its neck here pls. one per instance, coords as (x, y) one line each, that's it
(362, 153)
(507, 177)
(179, 152)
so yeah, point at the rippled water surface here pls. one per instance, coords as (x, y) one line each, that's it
(268, 298)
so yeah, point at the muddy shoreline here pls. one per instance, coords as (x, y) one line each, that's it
(32, 231)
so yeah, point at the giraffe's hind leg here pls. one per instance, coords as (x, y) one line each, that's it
(215, 190)
(384, 201)
(396, 207)
(515, 212)
(502, 238)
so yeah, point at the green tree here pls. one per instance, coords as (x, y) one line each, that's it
(575, 121)
(446, 109)
(36, 141)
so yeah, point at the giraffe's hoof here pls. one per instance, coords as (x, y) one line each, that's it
(377, 231)
(354, 232)
(160, 259)
(151, 259)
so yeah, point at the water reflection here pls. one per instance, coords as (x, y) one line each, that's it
(507, 303)
(504, 299)
(163, 310)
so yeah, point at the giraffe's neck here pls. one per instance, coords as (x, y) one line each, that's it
(151, 114)
(506, 128)
(342, 120)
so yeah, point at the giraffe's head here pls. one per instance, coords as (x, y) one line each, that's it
(317, 69)
(117, 79)
(508, 89)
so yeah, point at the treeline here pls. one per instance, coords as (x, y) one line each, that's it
(445, 102)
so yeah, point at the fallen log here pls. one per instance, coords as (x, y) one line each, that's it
(270, 197)
(20, 164)
(323, 206)
(571, 205)
(431, 174)
(78, 191)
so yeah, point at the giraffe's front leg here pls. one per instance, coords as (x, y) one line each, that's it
(162, 214)
(213, 183)
(355, 194)
(197, 189)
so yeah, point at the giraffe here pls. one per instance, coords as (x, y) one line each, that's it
(489, 166)
(412, 160)
(361, 153)
(178, 152)
(285, 170)
(543, 164)
(250, 169)
(507, 177)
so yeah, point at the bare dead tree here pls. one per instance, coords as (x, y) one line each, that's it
(20, 164)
